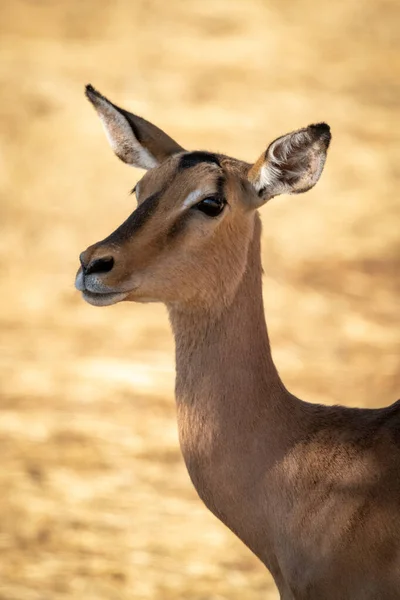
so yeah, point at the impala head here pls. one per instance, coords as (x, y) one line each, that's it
(187, 240)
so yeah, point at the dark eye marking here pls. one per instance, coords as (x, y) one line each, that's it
(211, 206)
(137, 219)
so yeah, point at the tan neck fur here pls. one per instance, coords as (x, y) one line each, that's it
(235, 417)
(225, 349)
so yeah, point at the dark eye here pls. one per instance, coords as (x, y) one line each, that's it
(211, 207)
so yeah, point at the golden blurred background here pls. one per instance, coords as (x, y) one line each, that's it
(95, 502)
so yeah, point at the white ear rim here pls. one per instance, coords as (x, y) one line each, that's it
(119, 134)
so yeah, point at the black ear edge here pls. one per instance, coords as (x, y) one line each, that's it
(95, 98)
(321, 132)
(316, 132)
(92, 94)
(134, 121)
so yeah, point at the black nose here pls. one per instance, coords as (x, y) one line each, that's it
(97, 265)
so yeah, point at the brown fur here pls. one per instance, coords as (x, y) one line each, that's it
(313, 491)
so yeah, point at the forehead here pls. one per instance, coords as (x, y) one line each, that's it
(187, 175)
(184, 171)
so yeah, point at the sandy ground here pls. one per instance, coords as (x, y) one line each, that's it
(95, 502)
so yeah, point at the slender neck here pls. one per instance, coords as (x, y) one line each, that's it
(236, 420)
(225, 355)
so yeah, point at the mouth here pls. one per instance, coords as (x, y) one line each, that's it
(103, 299)
(97, 298)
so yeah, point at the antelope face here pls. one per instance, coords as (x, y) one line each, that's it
(187, 240)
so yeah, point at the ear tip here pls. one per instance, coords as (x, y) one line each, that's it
(321, 131)
(91, 93)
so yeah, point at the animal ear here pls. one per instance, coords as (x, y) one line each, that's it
(292, 164)
(133, 139)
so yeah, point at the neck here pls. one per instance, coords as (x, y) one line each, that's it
(234, 413)
(225, 353)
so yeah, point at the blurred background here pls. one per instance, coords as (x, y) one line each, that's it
(95, 502)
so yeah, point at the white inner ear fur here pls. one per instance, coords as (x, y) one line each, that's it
(267, 176)
(121, 138)
(294, 144)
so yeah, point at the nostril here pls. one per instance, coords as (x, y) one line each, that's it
(100, 265)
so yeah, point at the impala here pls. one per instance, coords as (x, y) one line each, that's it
(313, 491)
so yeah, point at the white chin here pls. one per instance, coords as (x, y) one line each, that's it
(103, 299)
